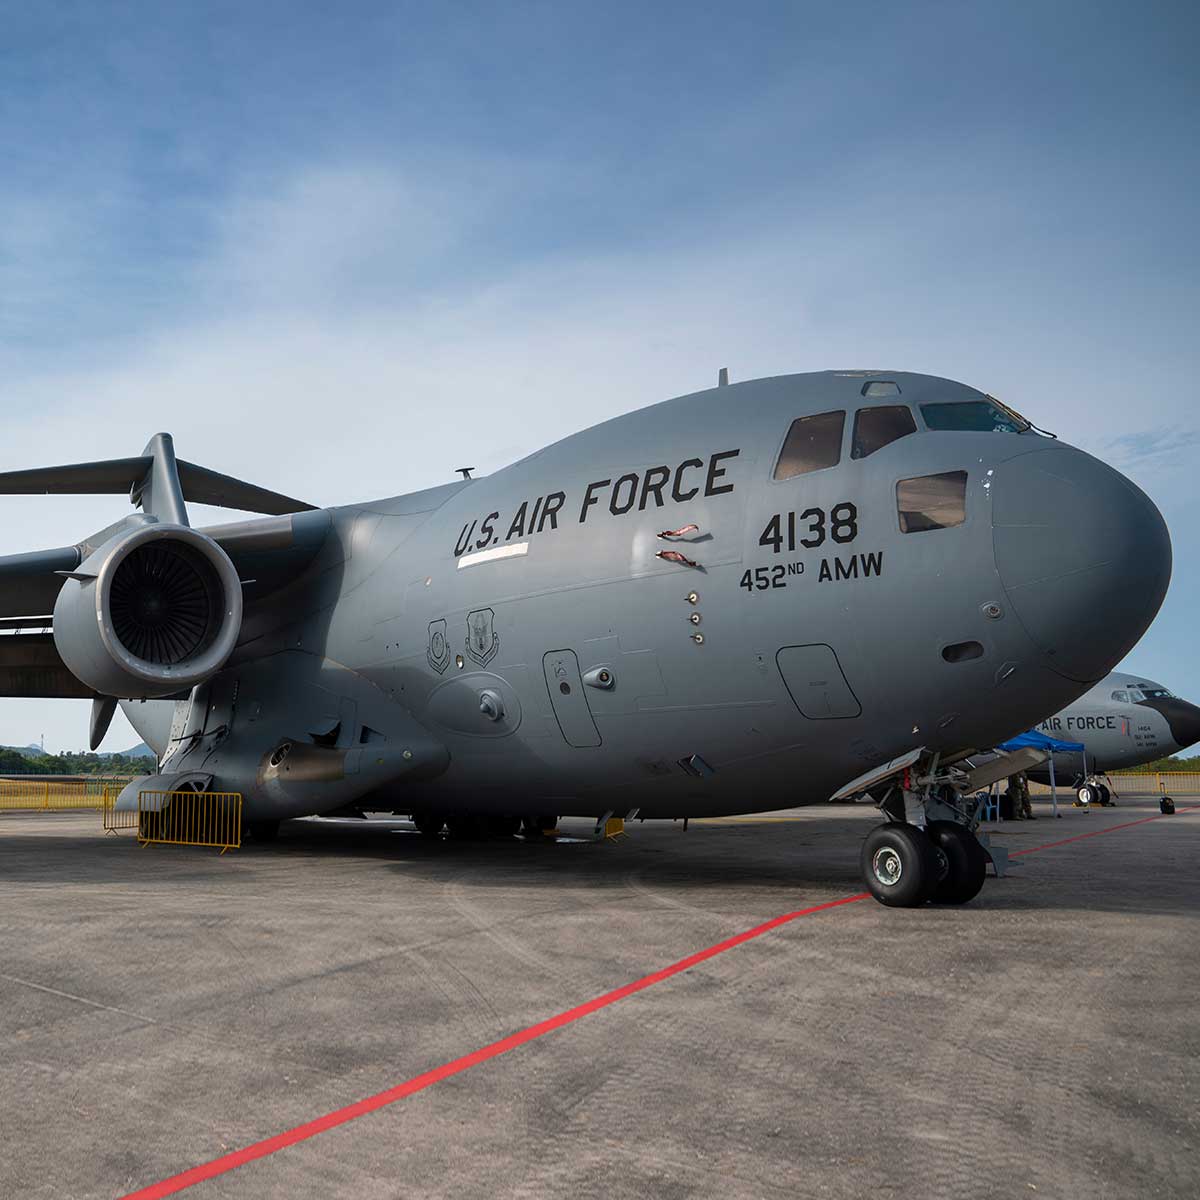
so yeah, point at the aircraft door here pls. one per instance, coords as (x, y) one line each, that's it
(565, 686)
(814, 680)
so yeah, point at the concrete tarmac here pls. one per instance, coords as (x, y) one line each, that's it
(161, 1006)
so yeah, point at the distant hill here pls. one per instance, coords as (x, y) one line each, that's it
(30, 760)
(141, 750)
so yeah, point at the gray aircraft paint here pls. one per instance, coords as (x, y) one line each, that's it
(1124, 721)
(414, 657)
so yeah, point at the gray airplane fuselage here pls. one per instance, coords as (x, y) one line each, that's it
(1124, 721)
(521, 637)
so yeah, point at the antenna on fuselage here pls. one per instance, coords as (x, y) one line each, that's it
(465, 472)
(723, 377)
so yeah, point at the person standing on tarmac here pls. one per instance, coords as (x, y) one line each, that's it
(1018, 789)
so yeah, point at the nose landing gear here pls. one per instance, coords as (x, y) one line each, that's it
(905, 866)
(927, 850)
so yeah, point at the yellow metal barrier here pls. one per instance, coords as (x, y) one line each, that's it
(114, 821)
(1173, 783)
(190, 819)
(1165, 783)
(52, 795)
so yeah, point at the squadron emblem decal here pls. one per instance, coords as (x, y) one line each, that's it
(482, 642)
(438, 648)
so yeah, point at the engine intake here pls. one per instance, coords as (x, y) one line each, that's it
(150, 613)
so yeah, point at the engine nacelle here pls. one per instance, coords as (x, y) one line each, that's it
(152, 612)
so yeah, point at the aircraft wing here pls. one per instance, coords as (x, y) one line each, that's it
(121, 476)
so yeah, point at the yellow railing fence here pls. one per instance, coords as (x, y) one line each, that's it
(114, 821)
(1164, 783)
(52, 795)
(190, 819)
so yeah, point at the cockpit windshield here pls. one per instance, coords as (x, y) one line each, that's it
(1151, 693)
(976, 416)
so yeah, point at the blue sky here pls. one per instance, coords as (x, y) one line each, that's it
(470, 229)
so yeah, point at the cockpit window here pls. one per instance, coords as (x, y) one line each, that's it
(1157, 693)
(1121, 697)
(875, 428)
(978, 416)
(812, 444)
(932, 501)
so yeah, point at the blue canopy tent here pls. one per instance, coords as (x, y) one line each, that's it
(1043, 741)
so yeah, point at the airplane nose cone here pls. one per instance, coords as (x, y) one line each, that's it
(1185, 724)
(1083, 554)
(1182, 717)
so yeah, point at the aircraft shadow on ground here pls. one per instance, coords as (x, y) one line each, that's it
(820, 857)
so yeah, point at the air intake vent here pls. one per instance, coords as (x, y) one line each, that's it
(166, 603)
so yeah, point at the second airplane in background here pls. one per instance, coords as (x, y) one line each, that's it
(1124, 721)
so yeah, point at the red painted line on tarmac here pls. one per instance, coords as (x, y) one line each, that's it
(361, 1108)
(1097, 832)
(238, 1158)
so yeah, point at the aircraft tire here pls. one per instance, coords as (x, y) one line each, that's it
(427, 824)
(1105, 795)
(899, 865)
(967, 862)
(1087, 794)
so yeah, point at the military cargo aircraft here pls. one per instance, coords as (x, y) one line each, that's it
(739, 600)
(1124, 721)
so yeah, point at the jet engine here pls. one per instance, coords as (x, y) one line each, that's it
(150, 613)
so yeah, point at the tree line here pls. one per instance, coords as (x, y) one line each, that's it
(14, 762)
(1172, 763)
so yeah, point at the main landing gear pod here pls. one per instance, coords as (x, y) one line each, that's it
(927, 850)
